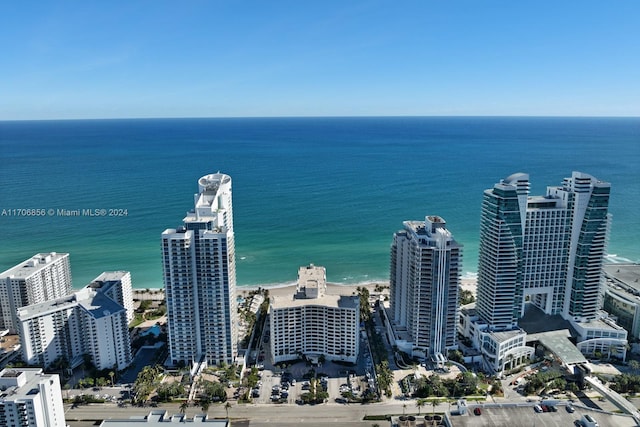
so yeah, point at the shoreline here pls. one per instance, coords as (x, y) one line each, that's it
(283, 289)
(466, 277)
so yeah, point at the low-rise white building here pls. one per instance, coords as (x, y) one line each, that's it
(29, 398)
(501, 350)
(602, 336)
(86, 322)
(314, 324)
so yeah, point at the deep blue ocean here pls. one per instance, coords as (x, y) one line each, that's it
(328, 191)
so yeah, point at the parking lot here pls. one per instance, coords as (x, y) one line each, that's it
(339, 377)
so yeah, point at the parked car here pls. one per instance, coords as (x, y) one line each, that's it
(570, 409)
(477, 411)
(537, 408)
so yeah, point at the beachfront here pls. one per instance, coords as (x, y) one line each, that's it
(468, 284)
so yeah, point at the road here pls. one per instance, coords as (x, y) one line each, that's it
(259, 413)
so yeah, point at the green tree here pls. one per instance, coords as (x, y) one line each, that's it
(466, 297)
(420, 404)
(204, 404)
(365, 310)
(227, 406)
(183, 407)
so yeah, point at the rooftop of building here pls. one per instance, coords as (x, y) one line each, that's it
(328, 300)
(111, 276)
(502, 336)
(19, 383)
(32, 265)
(161, 417)
(96, 303)
(312, 282)
(601, 324)
(535, 321)
(107, 280)
(558, 342)
(40, 309)
(99, 305)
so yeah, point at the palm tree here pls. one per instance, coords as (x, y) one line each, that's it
(434, 403)
(420, 403)
(204, 404)
(227, 406)
(111, 375)
(183, 407)
(404, 407)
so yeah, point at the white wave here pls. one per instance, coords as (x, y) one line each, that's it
(615, 259)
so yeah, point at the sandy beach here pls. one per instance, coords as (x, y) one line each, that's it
(289, 289)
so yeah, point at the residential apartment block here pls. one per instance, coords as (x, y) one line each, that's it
(86, 322)
(41, 278)
(426, 263)
(312, 323)
(198, 262)
(29, 398)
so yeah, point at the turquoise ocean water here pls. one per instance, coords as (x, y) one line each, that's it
(329, 191)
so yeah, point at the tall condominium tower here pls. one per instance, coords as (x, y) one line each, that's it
(547, 250)
(41, 278)
(425, 279)
(198, 262)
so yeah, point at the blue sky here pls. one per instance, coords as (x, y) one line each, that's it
(106, 59)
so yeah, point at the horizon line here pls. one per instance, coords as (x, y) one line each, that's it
(321, 117)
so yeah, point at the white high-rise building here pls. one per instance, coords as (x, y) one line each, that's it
(117, 286)
(89, 322)
(426, 263)
(29, 398)
(313, 323)
(41, 278)
(198, 262)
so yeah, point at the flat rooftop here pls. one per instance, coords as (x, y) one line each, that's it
(94, 302)
(111, 276)
(559, 344)
(536, 321)
(99, 305)
(32, 265)
(21, 383)
(502, 336)
(161, 417)
(328, 300)
(40, 309)
(552, 331)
